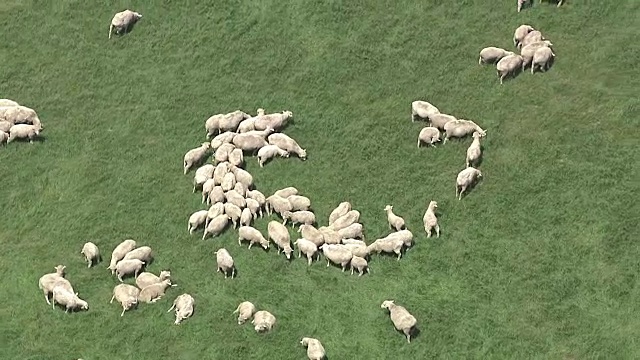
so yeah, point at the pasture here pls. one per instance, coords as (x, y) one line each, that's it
(539, 261)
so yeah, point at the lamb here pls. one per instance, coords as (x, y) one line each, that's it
(430, 220)
(438, 121)
(286, 143)
(278, 204)
(280, 236)
(508, 65)
(223, 138)
(520, 33)
(253, 236)
(395, 221)
(254, 206)
(235, 198)
(401, 318)
(48, 281)
(212, 124)
(183, 306)
(123, 21)
(342, 209)
(222, 152)
(230, 121)
(337, 253)
(308, 248)
(236, 157)
(465, 179)
(357, 250)
(299, 217)
(388, 245)
(245, 311)
(142, 253)
(146, 278)
(196, 220)
(228, 182)
(126, 295)
(360, 264)
(347, 219)
(8, 102)
(234, 213)
(216, 226)
(474, 151)
(68, 299)
(203, 173)
(225, 262)
(263, 321)
(154, 292)
(91, 253)
(251, 143)
(286, 192)
(23, 131)
(215, 210)
(246, 217)
(312, 234)
(461, 128)
(242, 176)
(531, 37)
(128, 267)
(329, 235)
(195, 156)
(270, 151)
(315, 350)
(257, 196)
(429, 135)
(275, 121)
(542, 59)
(119, 252)
(299, 202)
(529, 51)
(422, 109)
(352, 231)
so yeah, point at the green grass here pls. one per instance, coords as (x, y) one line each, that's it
(540, 261)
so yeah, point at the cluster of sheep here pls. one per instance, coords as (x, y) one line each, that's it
(535, 50)
(18, 122)
(453, 128)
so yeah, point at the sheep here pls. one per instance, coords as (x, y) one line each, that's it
(126, 295)
(357, 250)
(337, 253)
(280, 236)
(236, 157)
(277, 204)
(245, 311)
(246, 217)
(230, 121)
(286, 143)
(242, 176)
(228, 182)
(312, 234)
(315, 350)
(401, 318)
(262, 133)
(474, 151)
(68, 299)
(270, 151)
(142, 253)
(216, 209)
(347, 219)
(299, 202)
(220, 171)
(263, 321)
(250, 143)
(257, 196)
(47, 281)
(8, 102)
(196, 220)
(203, 173)
(128, 267)
(542, 59)
(329, 235)
(253, 236)
(275, 121)
(492, 54)
(20, 115)
(222, 153)
(429, 135)
(3, 137)
(360, 264)
(531, 37)
(464, 179)
(183, 306)
(225, 262)
(405, 235)
(461, 128)
(91, 253)
(23, 131)
(508, 65)
(430, 220)
(352, 231)
(212, 124)
(388, 245)
(154, 292)
(119, 252)
(529, 51)
(241, 189)
(235, 198)
(348, 241)
(206, 190)
(146, 278)
(195, 156)
(299, 217)
(5, 126)
(223, 138)
(308, 248)
(286, 192)
(234, 213)
(340, 210)
(254, 206)
(422, 109)
(247, 125)
(395, 221)
(123, 21)
(520, 33)
(216, 226)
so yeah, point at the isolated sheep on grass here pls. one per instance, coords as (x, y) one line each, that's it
(268, 152)
(216, 226)
(279, 234)
(465, 179)
(422, 110)
(312, 234)
(234, 213)
(342, 209)
(308, 248)
(520, 33)
(275, 121)
(288, 144)
(146, 278)
(126, 295)
(48, 281)
(123, 22)
(23, 131)
(154, 292)
(263, 321)
(542, 59)
(337, 254)
(143, 253)
(508, 65)
(197, 219)
(359, 263)
(128, 267)
(253, 235)
(401, 318)
(492, 54)
(183, 306)
(119, 252)
(68, 299)
(91, 253)
(245, 311)
(430, 220)
(429, 135)
(395, 221)
(315, 350)
(474, 152)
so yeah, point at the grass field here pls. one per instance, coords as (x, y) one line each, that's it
(540, 261)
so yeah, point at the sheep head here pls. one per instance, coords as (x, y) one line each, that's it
(388, 208)
(387, 304)
(206, 145)
(287, 114)
(433, 205)
(60, 269)
(303, 154)
(137, 15)
(305, 341)
(260, 112)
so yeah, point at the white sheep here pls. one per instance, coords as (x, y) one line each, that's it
(270, 151)
(405, 235)
(438, 121)
(216, 209)
(143, 253)
(91, 253)
(23, 131)
(5, 126)
(233, 197)
(299, 217)
(531, 37)
(474, 152)
(429, 135)
(228, 182)
(154, 292)
(128, 267)
(146, 278)
(236, 157)
(126, 295)
(461, 128)
(249, 142)
(492, 54)
(342, 209)
(280, 236)
(225, 262)
(542, 59)
(286, 143)
(247, 125)
(276, 121)
(222, 153)
(216, 226)
(345, 220)
(508, 65)
(529, 51)
(246, 217)
(430, 220)
(359, 263)
(68, 299)
(8, 102)
(203, 173)
(234, 213)
(329, 235)
(263, 321)
(520, 33)
(196, 220)
(254, 236)
(388, 245)
(299, 202)
(241, 189)
(465, 179)
(354, 230)
(212, 125)
(20, 115)
(308, 248)
(183, 306)
(254, 206)
(353, 241)
(119, 252)
(395, 221)
(208, 185)
(357, 249)
(220, 171)
(242, 176)
(48, 281)
(257, 196)
(245, 311)
(223, 138)
(401, 318)
(230, 121)
(337, 253)
(422, 109)
(315, 350)
(286, 192)
(277, 204)
(123, 21)
(312, 234)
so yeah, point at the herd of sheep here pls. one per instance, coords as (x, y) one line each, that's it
(18, 122)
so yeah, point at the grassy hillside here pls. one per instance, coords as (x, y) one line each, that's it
(540, 261)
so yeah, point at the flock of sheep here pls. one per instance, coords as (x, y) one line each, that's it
(18, 122)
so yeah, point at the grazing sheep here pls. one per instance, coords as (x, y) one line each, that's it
(533, 36)
(529, 51)
(508, 65)
(68, 299)
(270, 151)
(520, 33)
(5, 126)
(299, 217)
(222, 153)
(388, 245)
(275, 121)
(212, 125)
(474, 151)
(312, 234)
(401, 318)
(286, 192)
(197, 219)
(23, 131)
(195, 156)
(342, 209)
(246, 217)
(230, 121)
(242, 176)
(8, 102)
(253, 206)
(91, 253)
(438, 121)
(206, 189)
(315, 350)
(146, 278)
(329, 235)
(263, 321)
(278, 205)
(491, 54)
(405, 235)
(308, 248)
(299, 202)
(235, 198)
(257, 196)
(357, 250)
(119, 252)
(245, 311)
(236, 157)
(126, 295)
(337, 253)
(280, 236)
(228, 182)
(20, 115)
(395, 221)
(48, 281)
(142, 253)
(220, 171)
(123, 21)
(542, 59)
(429, 135)
(422, 109)
(286, 143)
(461, 128)
(360, 264)
(234, 213)
(345, 220)
(203, 173)
(254, 236)
(430, 220)
(154, 292)
(216, 226)
(216, 209)
(465, 178)
(223, 138)
(247, 125)
(352, 231)
(225, 262)
(249, 142)
(128, 267)
(241, 189)
(183, 306)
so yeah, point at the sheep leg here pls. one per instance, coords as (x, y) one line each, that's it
(113, 297)
(327, 262)
(418, 142)
(309, 260)
(399, 252)
(250, 244)
(428, 230)
(46, 297)
(437, 230)
(123, 310)
(351, 270)
(205, 234)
